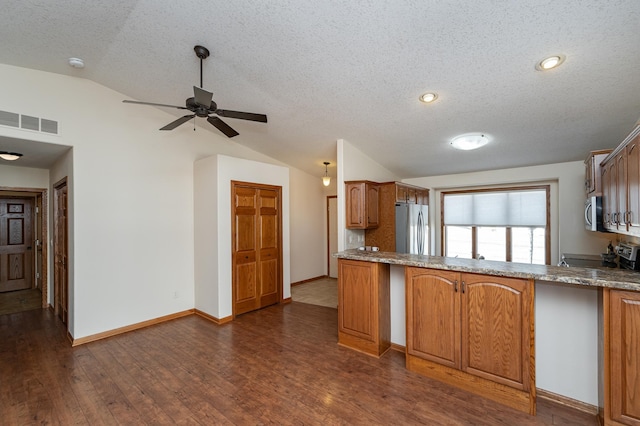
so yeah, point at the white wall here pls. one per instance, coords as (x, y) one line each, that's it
(133, 196)
(23, 177)
(566, 317)
(213, 178)
(308, 226)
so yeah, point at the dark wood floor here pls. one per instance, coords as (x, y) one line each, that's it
(280, 365)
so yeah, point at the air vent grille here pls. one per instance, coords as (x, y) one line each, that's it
(28, 122)
(9, 119)
(48, 126)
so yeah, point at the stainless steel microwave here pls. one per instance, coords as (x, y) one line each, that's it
(593, 214)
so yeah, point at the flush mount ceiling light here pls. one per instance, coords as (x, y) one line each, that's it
(427, 98)
(469, 141)
(326, 179)
(76, 62)
(550, 62)
(10, 156)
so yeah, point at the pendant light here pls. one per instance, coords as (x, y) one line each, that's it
(326, 179)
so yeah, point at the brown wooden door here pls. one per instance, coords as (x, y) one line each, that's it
(497, 333)
(60, 252)
(257, 242)
(624, 334)
(16, 244)
(433, 315)
(269, 246)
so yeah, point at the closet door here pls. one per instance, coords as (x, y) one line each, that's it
(257, 246)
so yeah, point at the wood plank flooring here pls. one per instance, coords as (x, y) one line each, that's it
(280, 365)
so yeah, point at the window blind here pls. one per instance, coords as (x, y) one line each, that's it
(504, 208)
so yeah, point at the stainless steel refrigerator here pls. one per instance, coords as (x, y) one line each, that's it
(412, 228)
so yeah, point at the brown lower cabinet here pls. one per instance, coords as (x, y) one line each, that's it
(473, 331)
(622, 357)
(364, 316)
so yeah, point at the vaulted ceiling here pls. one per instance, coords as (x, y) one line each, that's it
(353, 70)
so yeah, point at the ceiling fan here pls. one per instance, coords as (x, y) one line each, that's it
(202, 105)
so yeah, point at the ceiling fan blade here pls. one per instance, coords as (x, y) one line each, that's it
(202, 97)
(178, 122)
(222, 126)
(242, 115)
(126, 101)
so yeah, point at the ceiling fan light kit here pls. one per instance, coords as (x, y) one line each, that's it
(202, 105)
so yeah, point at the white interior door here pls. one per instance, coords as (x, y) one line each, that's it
(332, 218)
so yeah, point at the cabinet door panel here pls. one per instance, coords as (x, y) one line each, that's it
(357, 291)
(355, 205)
(625, 357)
(433, 312)
(373, 205)
(633, 186)
(496, 333)
(621, 190)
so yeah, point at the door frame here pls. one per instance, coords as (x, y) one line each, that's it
(56, 187)
(329, 235)
(255, 185)
(41, 234)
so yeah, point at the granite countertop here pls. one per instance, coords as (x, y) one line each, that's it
(612, 278)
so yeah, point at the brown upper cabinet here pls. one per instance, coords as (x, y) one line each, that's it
(363, 204)
(391, 193)
(620, 177)
(592, 172)
(411, 194)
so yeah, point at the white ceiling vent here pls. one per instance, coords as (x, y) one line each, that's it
(48, 126)
(9, 119)
(28, 122)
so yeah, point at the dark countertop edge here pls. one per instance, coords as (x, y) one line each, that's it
(587, 277)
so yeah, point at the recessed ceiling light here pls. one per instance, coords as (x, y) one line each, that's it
(76, 62)
(10, 156)
(550, 62)
(428, 97)
(469, 141)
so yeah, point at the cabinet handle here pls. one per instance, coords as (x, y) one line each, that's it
(455, 286)
(462, 287)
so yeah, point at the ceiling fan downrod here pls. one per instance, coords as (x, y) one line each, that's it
(202, 53)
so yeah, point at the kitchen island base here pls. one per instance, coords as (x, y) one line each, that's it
(520, 400)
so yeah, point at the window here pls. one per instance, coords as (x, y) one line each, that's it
(509, 225)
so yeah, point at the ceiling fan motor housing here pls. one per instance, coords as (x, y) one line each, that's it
(200, 110)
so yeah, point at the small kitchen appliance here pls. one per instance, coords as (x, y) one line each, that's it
(628, 253)
(593, 214)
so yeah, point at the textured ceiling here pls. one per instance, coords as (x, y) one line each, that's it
(325, 70)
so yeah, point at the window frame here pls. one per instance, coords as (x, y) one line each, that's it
(474, 229)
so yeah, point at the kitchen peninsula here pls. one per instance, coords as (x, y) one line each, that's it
(471, 323)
